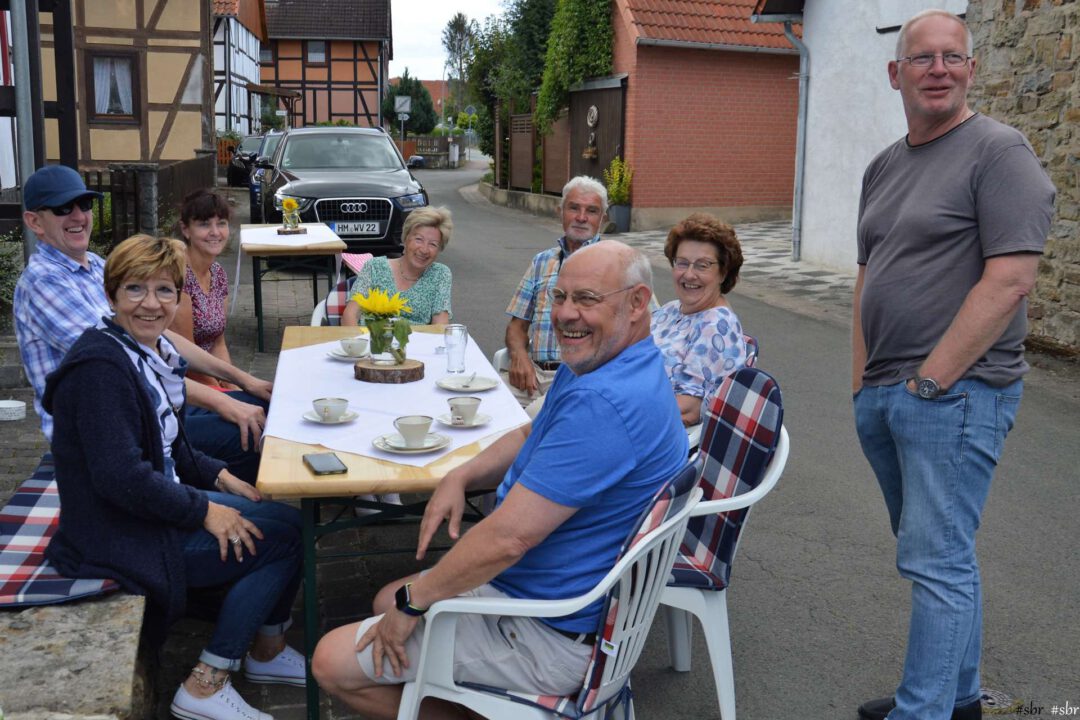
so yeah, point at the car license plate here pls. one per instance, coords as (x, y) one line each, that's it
(356, 228)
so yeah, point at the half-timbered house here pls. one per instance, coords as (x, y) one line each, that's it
(335, 53)
(239, 34)
(143, 73)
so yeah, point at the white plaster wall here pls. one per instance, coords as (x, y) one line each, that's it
(852, 113)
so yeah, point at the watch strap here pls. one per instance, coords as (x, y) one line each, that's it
(403, 601)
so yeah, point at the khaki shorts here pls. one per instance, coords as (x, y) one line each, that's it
(544, 378)
(507, 652)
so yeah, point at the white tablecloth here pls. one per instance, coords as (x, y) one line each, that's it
(316, 233)
(306, 374)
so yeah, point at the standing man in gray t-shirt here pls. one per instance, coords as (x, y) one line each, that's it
(952, 222)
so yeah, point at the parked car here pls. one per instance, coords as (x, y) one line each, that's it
(352, 179)
(244, 154)
(266, 150)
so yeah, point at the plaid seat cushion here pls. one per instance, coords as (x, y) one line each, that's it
(27, 523)
(339, 296)
(742, 428)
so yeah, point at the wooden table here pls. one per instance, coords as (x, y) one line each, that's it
(283, 476)
(317, 256)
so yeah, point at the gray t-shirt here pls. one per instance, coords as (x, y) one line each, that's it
(929, 216)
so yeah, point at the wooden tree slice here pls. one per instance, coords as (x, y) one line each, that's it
(369, 370)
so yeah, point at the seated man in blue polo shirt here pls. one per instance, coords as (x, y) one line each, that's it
(570, 486)
(61, 293)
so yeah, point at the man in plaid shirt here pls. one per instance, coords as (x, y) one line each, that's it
(61, 293)
(530, 339)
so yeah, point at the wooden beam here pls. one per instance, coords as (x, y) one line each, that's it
(64, 56)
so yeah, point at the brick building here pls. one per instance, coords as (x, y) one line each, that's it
(710, 110)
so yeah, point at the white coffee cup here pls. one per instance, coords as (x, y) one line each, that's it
(463, 410)
(330, 409)
(354, 346)
(414, 429)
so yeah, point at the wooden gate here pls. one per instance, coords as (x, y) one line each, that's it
(522, 143)
(556, 155)
(593, 147)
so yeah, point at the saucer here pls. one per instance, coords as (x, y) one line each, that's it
(394, 443)
(348, 416)
(478, 421)
(459, 383)
(339, 354)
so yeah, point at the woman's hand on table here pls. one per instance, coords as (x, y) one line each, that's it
(446, 503)
(228, 483)
(231, 529)
(387, 639)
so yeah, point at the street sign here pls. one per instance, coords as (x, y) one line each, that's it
(403, 116)
(402, 103)
(281, 113)
(470, 109)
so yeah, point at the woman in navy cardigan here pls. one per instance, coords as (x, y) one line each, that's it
(141, 506)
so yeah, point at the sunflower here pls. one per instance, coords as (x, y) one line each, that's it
(289, 205)
(380, 304)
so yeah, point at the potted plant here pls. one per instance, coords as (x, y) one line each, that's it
(618, 177)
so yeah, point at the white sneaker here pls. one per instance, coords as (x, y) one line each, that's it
(225, 704)
(287, 668)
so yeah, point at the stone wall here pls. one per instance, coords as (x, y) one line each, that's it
(1029, 77)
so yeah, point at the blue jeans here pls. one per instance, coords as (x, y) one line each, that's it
(220, 439)
(263, 587)
(934, 460)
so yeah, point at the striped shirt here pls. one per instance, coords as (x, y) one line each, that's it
(532, 304)
(56, 300)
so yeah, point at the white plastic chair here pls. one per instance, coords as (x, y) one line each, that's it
(743, 424)
(318, 315)
(501, 359)
(633, 589)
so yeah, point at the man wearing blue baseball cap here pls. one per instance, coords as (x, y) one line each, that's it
(61, 293)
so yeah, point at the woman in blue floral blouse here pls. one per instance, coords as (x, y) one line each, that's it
(699, 334)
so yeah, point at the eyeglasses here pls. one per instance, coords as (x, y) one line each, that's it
(952, 59)
(582, 298)
(698, 265)
(137, 293)
(84, 203)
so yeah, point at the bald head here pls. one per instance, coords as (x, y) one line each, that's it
(605, 290)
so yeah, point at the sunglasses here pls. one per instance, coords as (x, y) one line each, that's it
(84, 203)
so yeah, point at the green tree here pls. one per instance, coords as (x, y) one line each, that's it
(422, 115)
(458, 38)
(578, 47)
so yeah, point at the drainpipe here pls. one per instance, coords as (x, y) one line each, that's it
(800, 142)
(23, 119)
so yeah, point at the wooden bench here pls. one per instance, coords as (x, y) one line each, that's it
(66, 646)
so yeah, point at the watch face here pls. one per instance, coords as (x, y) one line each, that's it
(928, 388)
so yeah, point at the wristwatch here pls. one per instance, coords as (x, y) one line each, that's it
(403, 601)
(927, 388)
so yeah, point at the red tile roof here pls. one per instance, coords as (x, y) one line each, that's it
(706, 22)
(226, 7)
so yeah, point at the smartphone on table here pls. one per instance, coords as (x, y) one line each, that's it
(326, 463)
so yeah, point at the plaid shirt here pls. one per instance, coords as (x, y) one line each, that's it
(56, 299)
(532, 303)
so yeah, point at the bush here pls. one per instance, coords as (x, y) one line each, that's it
(618, 177)
(11, 266)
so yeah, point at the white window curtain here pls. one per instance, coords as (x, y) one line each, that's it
(112, 86)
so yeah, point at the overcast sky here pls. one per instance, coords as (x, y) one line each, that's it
(418, 26)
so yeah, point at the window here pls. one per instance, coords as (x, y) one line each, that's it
(113, 87)
(266, 54)
(316, 52)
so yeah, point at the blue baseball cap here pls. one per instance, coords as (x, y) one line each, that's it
(53, 186)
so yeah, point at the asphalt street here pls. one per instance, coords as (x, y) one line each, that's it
(818, 614)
